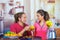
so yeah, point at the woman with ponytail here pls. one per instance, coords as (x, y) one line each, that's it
(40, 26)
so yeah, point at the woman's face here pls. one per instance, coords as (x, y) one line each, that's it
(39, 17)
(23, 18)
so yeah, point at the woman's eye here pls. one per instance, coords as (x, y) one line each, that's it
(37, 16)
(24, 17)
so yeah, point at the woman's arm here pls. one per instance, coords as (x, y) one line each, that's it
(25, 29)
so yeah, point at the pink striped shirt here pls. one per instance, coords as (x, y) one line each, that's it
(41, 31)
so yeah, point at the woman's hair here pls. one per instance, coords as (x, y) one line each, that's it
(44, 13)
(18, 15)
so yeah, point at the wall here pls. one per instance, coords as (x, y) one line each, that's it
(57, 9)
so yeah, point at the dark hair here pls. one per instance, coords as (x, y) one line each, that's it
(44, 13)
(18, 15)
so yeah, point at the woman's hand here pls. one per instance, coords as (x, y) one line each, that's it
(26, 28)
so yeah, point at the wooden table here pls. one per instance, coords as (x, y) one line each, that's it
(19, 39)
(8, 39)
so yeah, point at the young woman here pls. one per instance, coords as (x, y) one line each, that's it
(20, 26)
(40, 26)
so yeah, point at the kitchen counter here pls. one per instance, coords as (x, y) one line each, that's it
(57, 34)
(18, 39)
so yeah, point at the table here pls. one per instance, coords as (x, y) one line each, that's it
(19, 39)
(8, 39)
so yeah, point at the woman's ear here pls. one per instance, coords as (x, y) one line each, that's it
(42, 16)
(19, 19)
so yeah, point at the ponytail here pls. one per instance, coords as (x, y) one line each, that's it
(46, 16)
